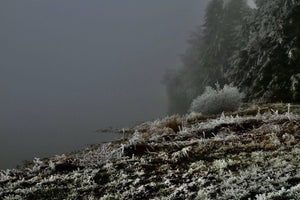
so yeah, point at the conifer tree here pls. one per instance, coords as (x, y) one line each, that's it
(207, 57)
(267, 67)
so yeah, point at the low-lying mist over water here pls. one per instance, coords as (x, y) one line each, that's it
(68, 68)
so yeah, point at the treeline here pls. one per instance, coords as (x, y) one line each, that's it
(255, 49)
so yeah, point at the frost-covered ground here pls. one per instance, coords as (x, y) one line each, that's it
(250, 154)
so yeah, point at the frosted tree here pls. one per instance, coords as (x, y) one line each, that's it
(206, 59)
(268, 63)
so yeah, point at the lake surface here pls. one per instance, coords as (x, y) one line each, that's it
(15, 150)
(68, 68)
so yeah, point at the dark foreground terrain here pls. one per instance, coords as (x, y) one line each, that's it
(250, 154)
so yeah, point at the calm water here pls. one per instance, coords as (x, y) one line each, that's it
(15, 149)
(68, 68)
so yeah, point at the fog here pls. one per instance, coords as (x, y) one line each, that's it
(68, 68)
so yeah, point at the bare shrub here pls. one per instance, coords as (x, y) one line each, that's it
(215, 101)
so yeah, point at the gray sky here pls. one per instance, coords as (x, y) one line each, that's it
(70, 67)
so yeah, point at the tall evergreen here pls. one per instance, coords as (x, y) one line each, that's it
(267, 67)
(207, 57)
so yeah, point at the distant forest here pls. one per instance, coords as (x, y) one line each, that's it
(254, 49)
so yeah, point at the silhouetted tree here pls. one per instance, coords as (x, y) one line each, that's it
(206, 58)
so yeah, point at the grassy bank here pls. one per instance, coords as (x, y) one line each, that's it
(250, 154)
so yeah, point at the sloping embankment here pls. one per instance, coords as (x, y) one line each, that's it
(250, 154)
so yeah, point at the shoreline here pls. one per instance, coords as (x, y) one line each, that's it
(251, 153)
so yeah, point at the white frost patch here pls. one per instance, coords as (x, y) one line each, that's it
(220, 164)
(252, 4)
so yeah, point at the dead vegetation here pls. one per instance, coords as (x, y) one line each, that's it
(250, 154)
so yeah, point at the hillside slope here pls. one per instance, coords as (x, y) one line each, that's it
(250, 154)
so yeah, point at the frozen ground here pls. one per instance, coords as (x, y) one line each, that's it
(250, 154)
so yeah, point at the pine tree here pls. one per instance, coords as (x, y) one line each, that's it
(207, 57)
(267, 68)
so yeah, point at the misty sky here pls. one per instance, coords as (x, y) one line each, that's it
(70, 67)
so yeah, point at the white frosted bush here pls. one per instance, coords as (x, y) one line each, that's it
(215, 101)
